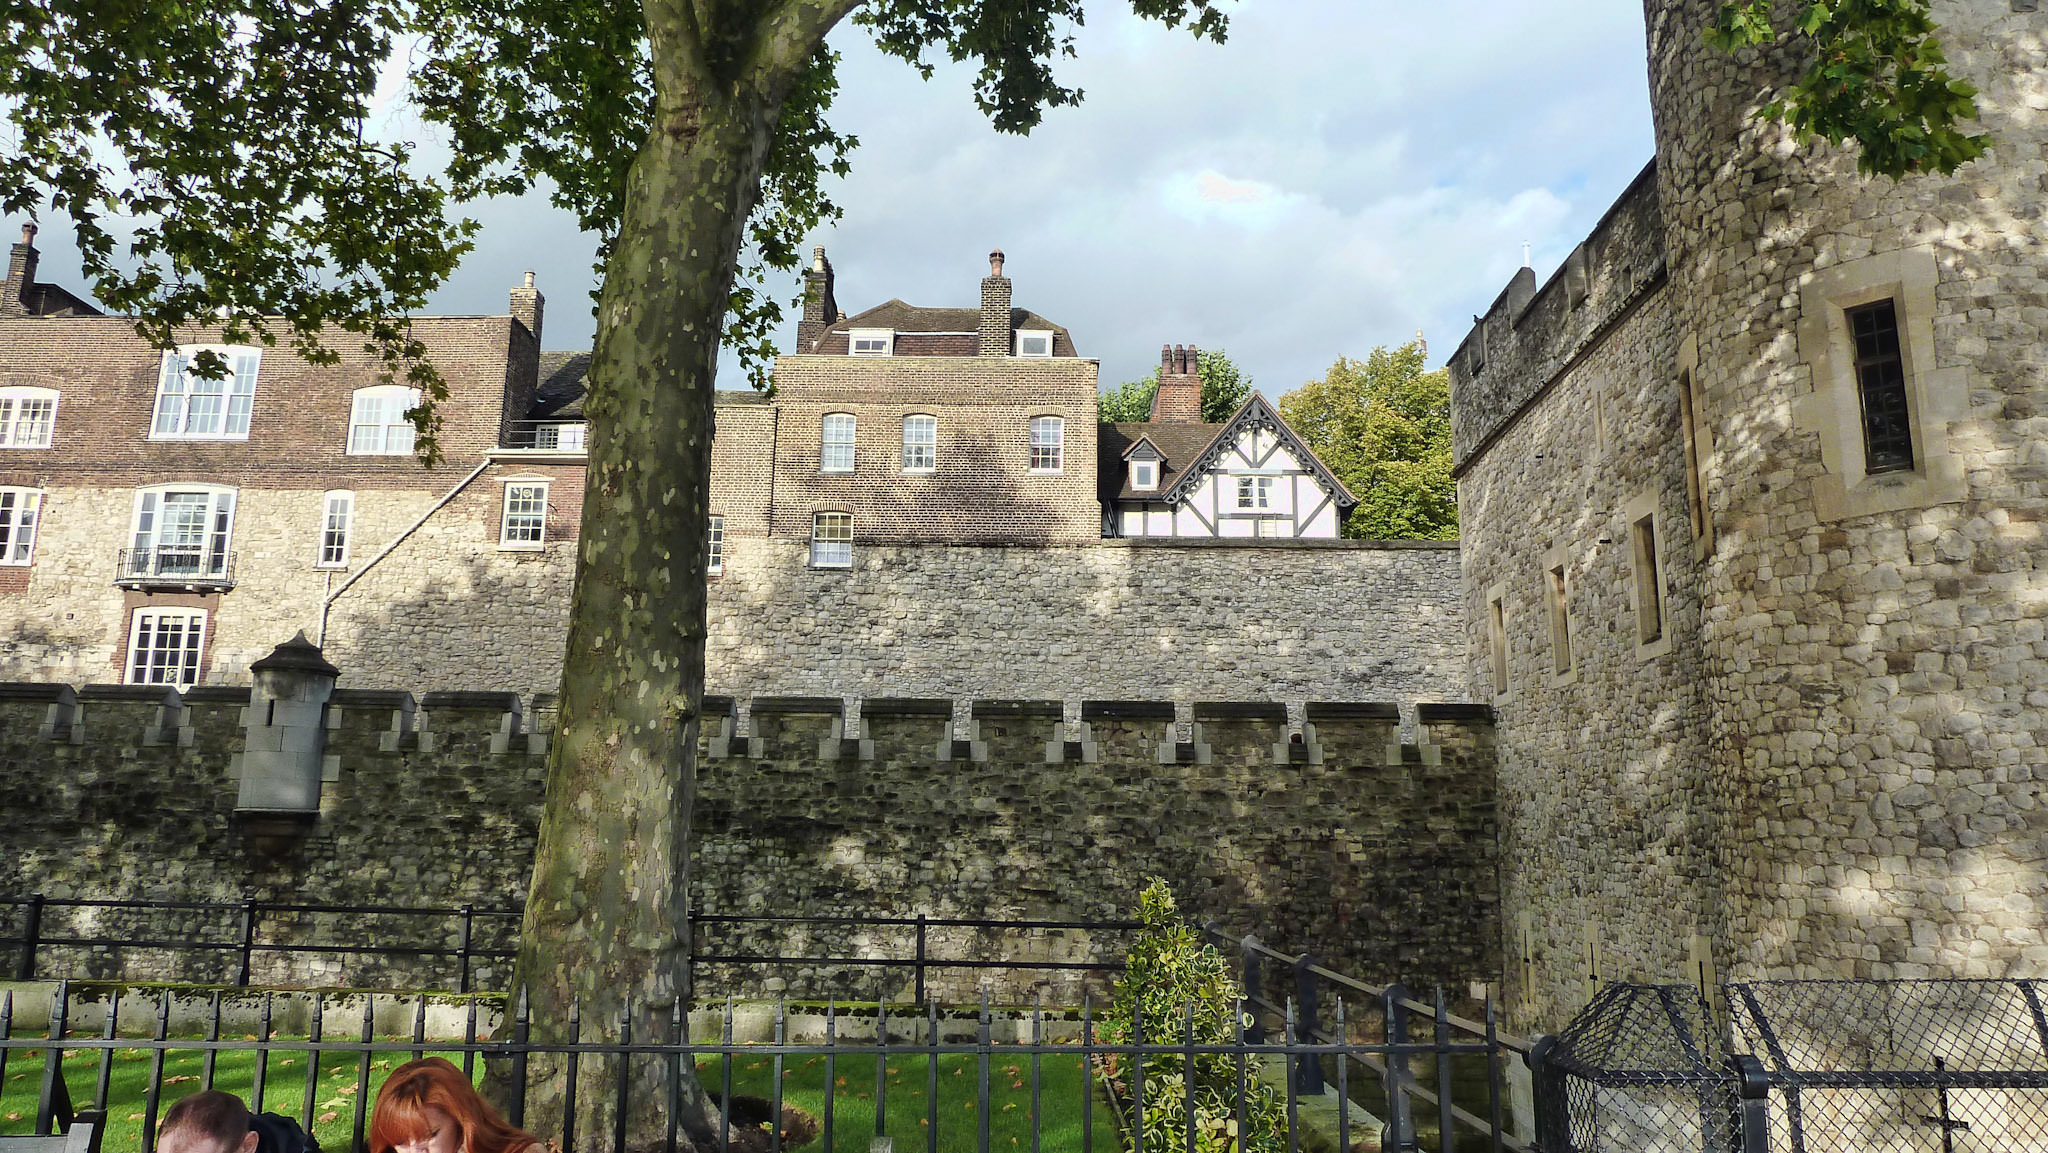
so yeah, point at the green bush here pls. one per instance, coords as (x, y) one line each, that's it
(1169, 972)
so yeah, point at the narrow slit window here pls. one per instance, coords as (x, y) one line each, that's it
(1560, 622)
(1688, 420)
(1649, 586)
(1497, 642)
(1881, 386)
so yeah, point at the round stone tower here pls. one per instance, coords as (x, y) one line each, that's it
(1867, 366)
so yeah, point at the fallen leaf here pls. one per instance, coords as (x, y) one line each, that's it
(328, 1116)
(1018, 1084)
(131, 1116)
(17, 1116)
(841, 1082)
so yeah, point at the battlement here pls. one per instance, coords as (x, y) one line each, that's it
(1530, 335)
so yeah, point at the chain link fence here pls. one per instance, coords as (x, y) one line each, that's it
(1934, 1066)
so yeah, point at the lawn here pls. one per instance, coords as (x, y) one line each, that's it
(805, 1083)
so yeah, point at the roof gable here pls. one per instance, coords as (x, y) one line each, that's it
(1255, 414)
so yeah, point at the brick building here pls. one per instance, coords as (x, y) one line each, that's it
(920, 475)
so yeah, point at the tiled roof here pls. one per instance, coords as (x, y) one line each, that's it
(962, 326)
(564, 377)
(1182, 445)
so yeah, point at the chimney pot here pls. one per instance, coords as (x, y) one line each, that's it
(995, 263)
(529, 278)
(1165, 358)
(28, 233)
(818, 259)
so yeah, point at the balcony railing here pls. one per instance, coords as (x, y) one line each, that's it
(547, 435)
(176, 566)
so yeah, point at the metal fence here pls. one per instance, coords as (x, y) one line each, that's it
(1027, 1090)
(266, 943)
(1935, 1066)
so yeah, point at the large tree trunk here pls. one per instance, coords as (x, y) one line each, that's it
(607, 911)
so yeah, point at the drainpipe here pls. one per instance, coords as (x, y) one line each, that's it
(395, 542)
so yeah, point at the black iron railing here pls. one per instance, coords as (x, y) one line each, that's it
(237, 933)
(547, 435)
(601, 1065)
(182, 566)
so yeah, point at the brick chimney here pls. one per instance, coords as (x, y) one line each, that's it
(21, 275)
(1178, 400)
(527, 305)
(821, 309)
(995, 308)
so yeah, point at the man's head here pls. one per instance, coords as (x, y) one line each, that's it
(209, 1122)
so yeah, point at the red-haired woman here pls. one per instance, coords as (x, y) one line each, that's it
(428, 1106)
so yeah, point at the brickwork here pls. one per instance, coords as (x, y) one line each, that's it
(982, 489)
(1855, 794)
(1382, 864)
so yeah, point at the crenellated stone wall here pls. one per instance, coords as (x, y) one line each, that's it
(1377, 856)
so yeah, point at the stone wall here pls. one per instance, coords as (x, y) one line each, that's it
(1377, 856)
(1109, 619)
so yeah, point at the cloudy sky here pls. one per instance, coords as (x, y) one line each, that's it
(1337, 176)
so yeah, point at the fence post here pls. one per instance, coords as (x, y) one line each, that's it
(920, 958)
(468, 923)
(1553, 1107)
(1253, 994)
(1308, 1068)
(54, 1102)
(1754, 1084)
(31, 932)
(248, 943)
(1398, 1136)
(522, 1034)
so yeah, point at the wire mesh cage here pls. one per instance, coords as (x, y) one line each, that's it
(1924, 1066)
(1639, 1069)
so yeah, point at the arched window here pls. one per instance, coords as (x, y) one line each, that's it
(27, 416)
(193, 407)
(1048, 442)
(920, 443)
(376, 421)
(835, 451)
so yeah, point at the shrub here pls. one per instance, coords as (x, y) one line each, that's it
(1170, 972)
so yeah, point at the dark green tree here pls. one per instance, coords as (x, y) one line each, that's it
(1383, 425)
(1224, 387)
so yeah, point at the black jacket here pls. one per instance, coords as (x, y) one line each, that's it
(278, 1134)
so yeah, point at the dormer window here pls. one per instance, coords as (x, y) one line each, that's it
(1034, 343)
(871, 342)
(1144, 475)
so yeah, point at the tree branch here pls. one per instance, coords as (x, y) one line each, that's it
(791, 32)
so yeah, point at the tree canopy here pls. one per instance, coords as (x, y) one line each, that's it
(1224, 387)
(1383, 425)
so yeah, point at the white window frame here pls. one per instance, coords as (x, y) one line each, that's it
(41, 430)
(1035, 333)
(884, 337)
(926, 461)
(175, 416)
(714, 559)
(561, 436)
(1044, 449)
(830, 457)
(525, 491)
(833, 549)
(337, 525)
(1254, 492)
(21, 514)
(1145, 475)
(216, 535)
(143, 665)
(374, 429)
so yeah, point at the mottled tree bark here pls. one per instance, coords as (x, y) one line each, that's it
(607, 910)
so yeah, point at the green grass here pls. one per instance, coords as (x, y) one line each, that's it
(804, 1083)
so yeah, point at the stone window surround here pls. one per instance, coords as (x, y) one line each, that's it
(1052, 447)
(505, 540)
(1644, 508)
(1833, 411)
(334, 537)
(368, 411)
(192, 635)
(828, 425)
(230, 392)
(1698, 445)
(1557, 591)
(1497, 641)
(855, 337)
(929, 443)
(12, 401)
(21, 514)
(1035, 333)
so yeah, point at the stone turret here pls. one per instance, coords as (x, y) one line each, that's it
(284, 754)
